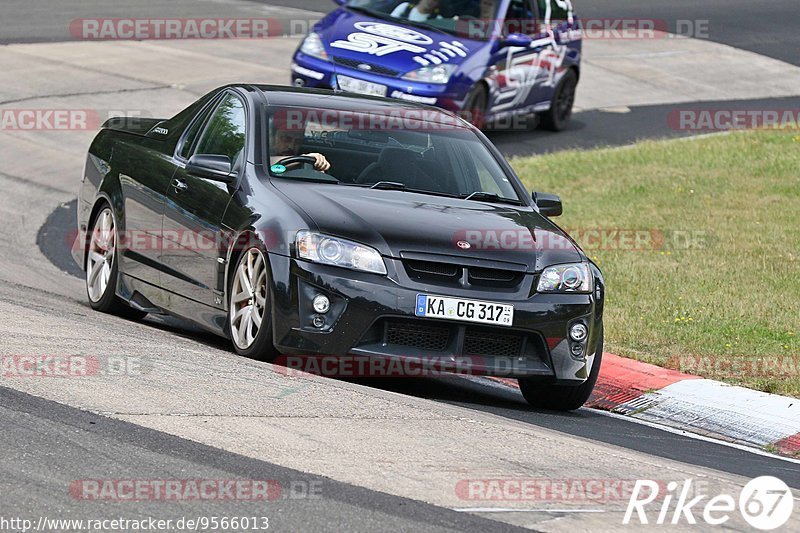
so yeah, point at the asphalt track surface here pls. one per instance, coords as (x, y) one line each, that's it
(36, 475)
(35, 470)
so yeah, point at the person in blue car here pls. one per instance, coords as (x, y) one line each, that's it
(424, 10)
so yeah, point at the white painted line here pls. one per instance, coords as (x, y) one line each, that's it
(695, 436)
(743, 415)
(673, 430)
(509, 510)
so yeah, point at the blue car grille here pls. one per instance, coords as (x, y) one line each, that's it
(375, 69)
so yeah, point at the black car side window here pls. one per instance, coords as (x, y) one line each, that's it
(226, 130)
(192, 134)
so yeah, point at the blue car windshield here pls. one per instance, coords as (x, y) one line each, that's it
(450, 16)
(405, 149)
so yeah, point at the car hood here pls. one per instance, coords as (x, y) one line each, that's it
(399, 223)
(354, 37)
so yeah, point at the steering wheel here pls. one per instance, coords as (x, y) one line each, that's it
(304, 159)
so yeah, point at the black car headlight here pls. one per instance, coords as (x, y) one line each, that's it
(327, 250)
(566, 278)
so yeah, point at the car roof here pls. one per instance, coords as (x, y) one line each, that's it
(283, 96)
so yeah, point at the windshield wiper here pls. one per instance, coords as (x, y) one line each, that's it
(482, 196)
(302, 177)
(396, 186)
(390, 186)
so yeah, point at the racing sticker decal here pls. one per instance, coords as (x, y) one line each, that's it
(277, 169)
(380, 39)
(443, 54)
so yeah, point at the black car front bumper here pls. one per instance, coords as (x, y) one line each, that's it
(372, 316)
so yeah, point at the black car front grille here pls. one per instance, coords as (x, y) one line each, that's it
(422, 337)
(478, 276)
(493, 344)
(432, 270)
(373, 68)
(451, 274)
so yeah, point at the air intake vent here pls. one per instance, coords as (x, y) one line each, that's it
(492, 275)
(491, 344)
(431, 270)
(358, 65)
(417, 336)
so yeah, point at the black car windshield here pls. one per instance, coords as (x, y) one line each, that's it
(445, 15)
(402, 149)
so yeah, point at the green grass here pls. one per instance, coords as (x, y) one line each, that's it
(728, 304)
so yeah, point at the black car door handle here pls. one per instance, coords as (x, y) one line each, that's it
(179, 185)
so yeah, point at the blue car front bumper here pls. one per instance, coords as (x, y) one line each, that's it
(309, 71)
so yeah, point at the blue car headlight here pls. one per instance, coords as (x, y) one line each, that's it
(432, 74)
(327, 250)
(566, 278)
(314, 47)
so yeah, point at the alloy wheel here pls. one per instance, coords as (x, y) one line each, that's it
(100, 259)
(248, 299)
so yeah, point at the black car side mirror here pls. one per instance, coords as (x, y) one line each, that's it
(212, 167)
(549, 204)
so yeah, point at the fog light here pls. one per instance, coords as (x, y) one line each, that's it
(321, 304)
(578, 332)
(318, 321)
(577, 350)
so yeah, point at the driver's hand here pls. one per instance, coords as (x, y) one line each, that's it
(321, 164)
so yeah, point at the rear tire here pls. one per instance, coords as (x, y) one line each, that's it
(563, 398)
(102, 267)
(557, 118)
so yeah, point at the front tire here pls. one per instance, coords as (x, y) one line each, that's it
(102, 268)
(475, 106)
(250, 311)
(558, 116)
(563, 398)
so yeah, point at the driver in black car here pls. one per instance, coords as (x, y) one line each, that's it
(287, 143)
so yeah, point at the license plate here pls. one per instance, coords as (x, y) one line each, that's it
(465, 310)
(353, 85)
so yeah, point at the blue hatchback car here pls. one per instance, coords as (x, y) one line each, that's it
(488, 60)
